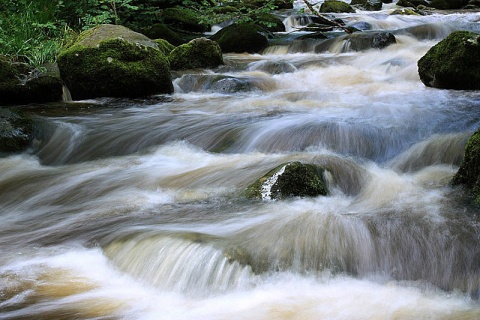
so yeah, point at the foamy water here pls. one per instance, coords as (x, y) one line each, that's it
(129, 209)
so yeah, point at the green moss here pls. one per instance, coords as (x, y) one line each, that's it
(297, 180)
(452, 63)
(198, 53)
(115, 68)
(336, 6)
(468, 174)
(164, 46)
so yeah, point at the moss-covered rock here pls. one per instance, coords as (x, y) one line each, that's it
(453, 62)
(198, 53)
(469, 173)
(16, 131)
(114, 61)
(23, 84)
(164, 46)
(162, 31)
(336, 6)
(241, 38)
(369, 5)
(292, 179)
(405, 12)
(184, 19)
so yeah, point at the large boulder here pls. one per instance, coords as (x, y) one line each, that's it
(291, 179)
(240, 38)
(23, 84)
(469, 173)
(198, 53)
(114, 61)
(336, 6)
(16, 131)
(453, 62)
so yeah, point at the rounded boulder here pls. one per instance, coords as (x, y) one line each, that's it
(291, 179)
(114, 61)
(198, 53)
(452, 63)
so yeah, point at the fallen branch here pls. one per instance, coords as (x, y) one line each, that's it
(325, 20)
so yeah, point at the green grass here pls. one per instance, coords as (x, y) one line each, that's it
(29, 33)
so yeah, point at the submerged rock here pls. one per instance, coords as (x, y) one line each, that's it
(453, 62)
(292, 179)
(198, 53)
(469, 173)
(219, 83)
(16, 131)
(23, 84)
(114, 61)
(241, 38)
(359, 41)
(272, 67)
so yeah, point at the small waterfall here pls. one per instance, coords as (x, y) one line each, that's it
(66, 96)
(178, 264)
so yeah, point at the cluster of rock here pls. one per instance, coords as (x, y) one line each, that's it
(116, 61)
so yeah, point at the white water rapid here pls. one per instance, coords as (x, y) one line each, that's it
(134, 209)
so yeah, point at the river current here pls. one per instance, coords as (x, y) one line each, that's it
(134, 209)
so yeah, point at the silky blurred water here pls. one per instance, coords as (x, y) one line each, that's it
(134, 209)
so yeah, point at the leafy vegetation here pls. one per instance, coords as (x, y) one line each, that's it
(34, 31)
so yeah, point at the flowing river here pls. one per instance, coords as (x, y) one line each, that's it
(134, 209)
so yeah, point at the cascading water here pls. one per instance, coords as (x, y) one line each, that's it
(134, 209)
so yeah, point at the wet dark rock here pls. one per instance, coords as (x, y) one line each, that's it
(453, 62)
(368, 5)
(361, 25)
(272, 67)
(292, 179)
(336, 6)
(23, 84)
(359, 41)
(411, 3)
(468, 174)
(184, 19)
(162, 31)
(241, 38)
(447, 4)
(114, 61)
(198, 53)
(16, 131)
(216, 83)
